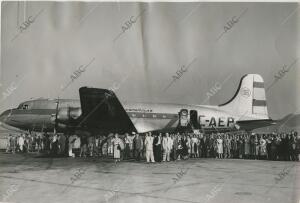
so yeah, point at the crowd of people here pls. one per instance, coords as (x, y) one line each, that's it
(162, 147)
(36, 142)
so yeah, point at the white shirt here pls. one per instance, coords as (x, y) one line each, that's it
(149, 143)
(21, 141)
(167, 143)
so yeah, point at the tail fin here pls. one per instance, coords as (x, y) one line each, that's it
(249, 101)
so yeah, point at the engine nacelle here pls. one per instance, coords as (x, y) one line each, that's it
(68, 113)
(75, 112)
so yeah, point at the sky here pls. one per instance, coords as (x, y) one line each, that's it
(137, 48)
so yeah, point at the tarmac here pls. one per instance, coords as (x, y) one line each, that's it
(30, 178)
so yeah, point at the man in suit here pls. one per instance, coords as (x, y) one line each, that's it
(203, 143)
(127, 147)
(157, 147)
(138, 146)
(175, 146)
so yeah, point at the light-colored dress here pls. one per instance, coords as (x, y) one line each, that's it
(193, 142)
(116, 142)
(263, 147)
(220, 146)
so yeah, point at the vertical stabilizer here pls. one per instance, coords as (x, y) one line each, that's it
(249, 100)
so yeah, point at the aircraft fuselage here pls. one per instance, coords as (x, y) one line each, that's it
(37, 115)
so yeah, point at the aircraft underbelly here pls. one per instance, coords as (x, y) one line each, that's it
(150, 124)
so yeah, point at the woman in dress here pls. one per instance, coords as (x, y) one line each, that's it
(220, 147)
(117, 147)
(262, 148)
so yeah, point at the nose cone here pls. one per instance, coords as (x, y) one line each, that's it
(5, 115)
(5, 120)
(5, 126)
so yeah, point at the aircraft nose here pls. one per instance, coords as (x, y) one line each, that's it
(4, 116)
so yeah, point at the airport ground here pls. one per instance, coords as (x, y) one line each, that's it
(31, 178)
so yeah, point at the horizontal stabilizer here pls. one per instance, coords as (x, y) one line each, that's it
(253, 124)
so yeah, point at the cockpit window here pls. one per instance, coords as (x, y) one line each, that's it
(23, 106)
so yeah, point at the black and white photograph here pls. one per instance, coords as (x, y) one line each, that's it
(150, 101)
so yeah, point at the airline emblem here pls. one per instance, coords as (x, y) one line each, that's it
(245, 92)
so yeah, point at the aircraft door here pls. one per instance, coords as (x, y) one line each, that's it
(194, 119)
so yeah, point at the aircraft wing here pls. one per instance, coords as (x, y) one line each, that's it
(253, 124)
(102, 111)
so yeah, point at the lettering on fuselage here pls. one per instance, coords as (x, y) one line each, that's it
(216, 122)
(205, 121)
(139, 110)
